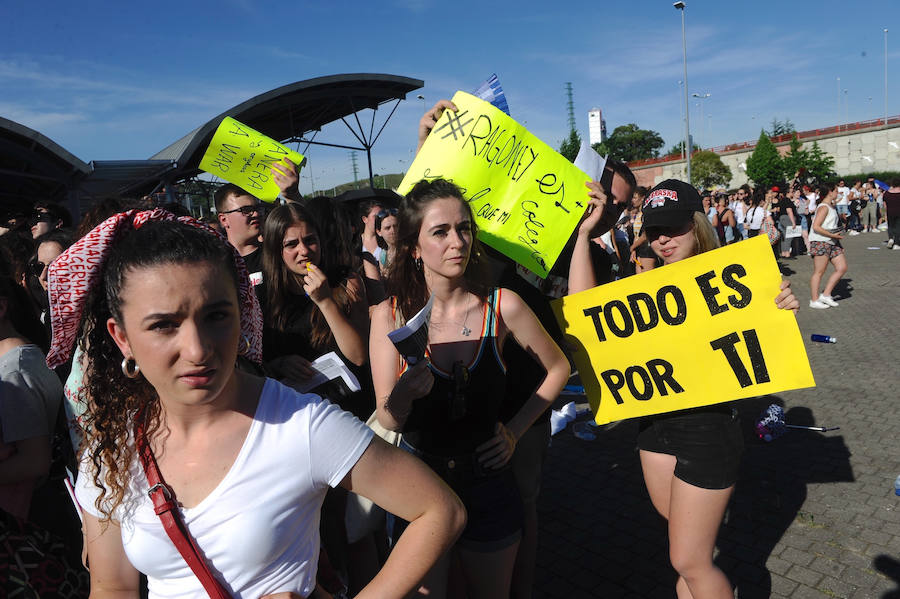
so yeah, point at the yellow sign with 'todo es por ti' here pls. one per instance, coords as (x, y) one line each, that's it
(702, 331)
(526, 197)
(244, 156)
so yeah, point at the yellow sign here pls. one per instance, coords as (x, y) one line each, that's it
(702, 331)
(526, 198)
(243, 156)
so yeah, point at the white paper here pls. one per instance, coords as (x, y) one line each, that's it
(329, 367)
(590, 161)
(412, 338)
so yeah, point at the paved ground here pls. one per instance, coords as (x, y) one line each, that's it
(813, 515)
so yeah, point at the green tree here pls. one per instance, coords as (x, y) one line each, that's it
(601, 148)
(781, 127)
(570, 146)
(795, 160)
(708, 170)
(678, 148)
(630, 142)
(819, 164)
(764, 165)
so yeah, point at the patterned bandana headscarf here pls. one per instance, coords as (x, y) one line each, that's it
(77, 270)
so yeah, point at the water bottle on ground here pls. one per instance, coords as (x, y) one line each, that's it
(823, 338)
(897, 486)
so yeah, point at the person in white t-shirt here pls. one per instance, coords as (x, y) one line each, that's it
(247, 459)
(842, 203)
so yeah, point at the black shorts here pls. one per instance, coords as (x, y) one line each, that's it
(491, 498)
(706, 442)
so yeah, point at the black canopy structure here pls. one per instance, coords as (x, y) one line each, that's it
(34, 167)
(296, 113)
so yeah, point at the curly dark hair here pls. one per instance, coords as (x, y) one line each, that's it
(115, 402)
(405, 280)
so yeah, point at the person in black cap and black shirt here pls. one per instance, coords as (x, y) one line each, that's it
(690, 458)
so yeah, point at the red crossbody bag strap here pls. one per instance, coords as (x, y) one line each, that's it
(166, 507)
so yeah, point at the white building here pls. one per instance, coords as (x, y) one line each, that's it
(596, 125)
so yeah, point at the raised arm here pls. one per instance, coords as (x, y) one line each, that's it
(430, 119)
(581, 269)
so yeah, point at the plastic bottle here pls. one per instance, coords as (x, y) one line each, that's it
(897, 486)
(823, 338)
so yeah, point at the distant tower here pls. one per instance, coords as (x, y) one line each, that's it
(596, 126)
(355, 169)
(570, 105)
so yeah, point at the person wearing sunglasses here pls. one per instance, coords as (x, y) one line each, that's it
(47, 217)
(690, 458)
(240, 216)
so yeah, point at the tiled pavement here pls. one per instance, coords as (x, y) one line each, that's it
(813, 515)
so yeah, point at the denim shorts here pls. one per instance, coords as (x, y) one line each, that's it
(491, 498)
(706, 442)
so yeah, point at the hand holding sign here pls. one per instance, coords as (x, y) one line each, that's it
(646, 344)
(246, 157)
(526, 198)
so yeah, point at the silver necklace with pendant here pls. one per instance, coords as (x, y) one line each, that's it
(466, 331)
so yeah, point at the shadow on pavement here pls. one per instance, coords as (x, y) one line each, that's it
(772, 489)
(844, 288)
(890, 567)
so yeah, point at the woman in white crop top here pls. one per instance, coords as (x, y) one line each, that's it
(825, 247)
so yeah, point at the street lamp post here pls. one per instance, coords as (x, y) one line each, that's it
(421, 97)
(683, 145)
(701, 97)
(687, 117)
(885, 77)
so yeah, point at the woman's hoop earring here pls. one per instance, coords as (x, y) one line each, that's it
(130, 368)
(246, 344)
(418, 263)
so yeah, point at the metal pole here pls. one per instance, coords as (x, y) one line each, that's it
(683, 145)
(839, 103)
(885, 77)
(687, 113)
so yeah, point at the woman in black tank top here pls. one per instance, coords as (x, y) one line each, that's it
(448, 406)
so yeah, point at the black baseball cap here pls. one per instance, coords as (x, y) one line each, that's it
(671, 203)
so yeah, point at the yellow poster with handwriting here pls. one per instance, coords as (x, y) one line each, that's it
(244, 156)
(526, 197)
(702, 331)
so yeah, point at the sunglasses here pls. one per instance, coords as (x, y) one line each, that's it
(245, 210)
(40, 217)
(35, 268)
(386, 213)
(458, 403)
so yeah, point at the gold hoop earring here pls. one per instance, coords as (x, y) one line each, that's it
(130, 368)
(246, 344)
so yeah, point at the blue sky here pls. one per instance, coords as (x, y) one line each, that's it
(123, 80)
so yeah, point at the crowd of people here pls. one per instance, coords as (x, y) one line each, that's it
(181, 372)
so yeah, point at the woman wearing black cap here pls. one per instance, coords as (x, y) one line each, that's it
(690, 458)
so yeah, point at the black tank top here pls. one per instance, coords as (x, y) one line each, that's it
(463, 407)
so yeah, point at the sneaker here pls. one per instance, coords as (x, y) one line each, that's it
(854, 232)
(818, 304)
(890, 243)
(896, 247)
(827, 299)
